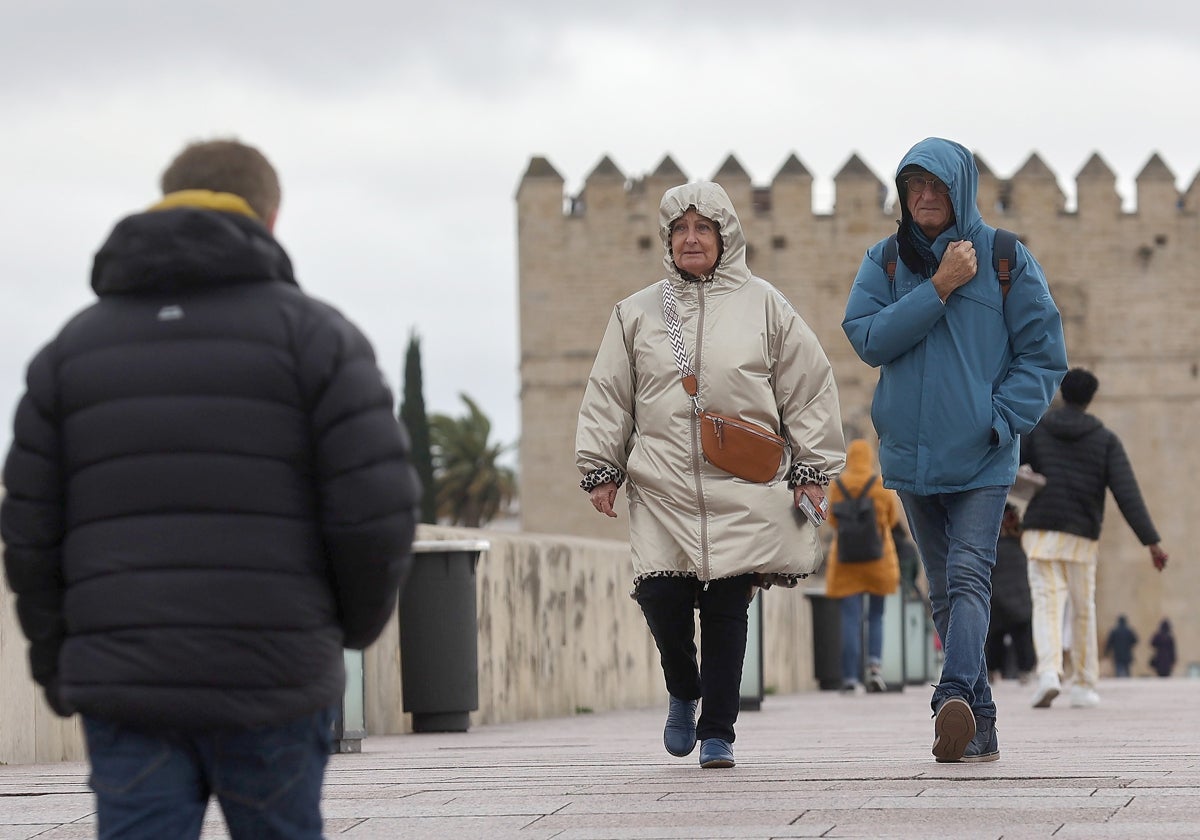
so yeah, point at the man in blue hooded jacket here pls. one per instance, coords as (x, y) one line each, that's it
(965, 368)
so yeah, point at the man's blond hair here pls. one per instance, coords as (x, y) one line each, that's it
(226, 166)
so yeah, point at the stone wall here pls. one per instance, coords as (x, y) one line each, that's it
(558, 635)
(1127, 283)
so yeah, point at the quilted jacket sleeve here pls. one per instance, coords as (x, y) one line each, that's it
(32, 521)
(368, 490)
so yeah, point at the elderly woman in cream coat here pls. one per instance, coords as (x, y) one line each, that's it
(701, 537)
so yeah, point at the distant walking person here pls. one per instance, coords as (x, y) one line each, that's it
(1119, 645)
(1011, 605)
(1080, 459)
(208, 498)
(1164, 650)
(852, 573)
(968, 362)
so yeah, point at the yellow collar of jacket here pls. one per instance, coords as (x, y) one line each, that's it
(205, 200)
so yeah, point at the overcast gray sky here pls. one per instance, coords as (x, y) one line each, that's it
(401, 129)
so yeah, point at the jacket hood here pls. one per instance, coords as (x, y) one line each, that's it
(860, 465)
(710, 201)
(955, 165)
(1069, 423)
(188, 245)
(860, 458)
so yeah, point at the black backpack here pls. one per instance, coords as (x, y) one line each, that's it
(1004, 257)
(858, 539)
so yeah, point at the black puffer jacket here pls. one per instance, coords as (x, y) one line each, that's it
(208, 494)
(1080, 459)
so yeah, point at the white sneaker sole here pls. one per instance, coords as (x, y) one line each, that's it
(1043, 699)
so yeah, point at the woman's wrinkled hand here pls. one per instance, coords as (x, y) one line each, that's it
(603, 497)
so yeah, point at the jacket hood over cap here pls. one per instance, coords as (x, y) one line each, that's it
(712, 202)
(955, 165)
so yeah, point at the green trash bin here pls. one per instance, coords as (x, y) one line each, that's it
(439, 635)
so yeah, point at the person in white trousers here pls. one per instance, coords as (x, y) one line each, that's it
(1080, 460)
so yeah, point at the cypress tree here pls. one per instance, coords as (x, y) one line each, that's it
(412, 414)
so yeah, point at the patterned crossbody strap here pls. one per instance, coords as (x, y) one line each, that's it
(675, 331)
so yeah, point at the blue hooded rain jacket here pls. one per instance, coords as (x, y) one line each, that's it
(952, 374)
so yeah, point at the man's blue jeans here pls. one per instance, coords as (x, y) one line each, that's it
(852, 609)
(956, 534)
(154, 785)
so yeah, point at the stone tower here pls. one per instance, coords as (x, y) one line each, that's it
(1127, 283)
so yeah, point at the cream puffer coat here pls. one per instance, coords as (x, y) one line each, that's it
(755, 358)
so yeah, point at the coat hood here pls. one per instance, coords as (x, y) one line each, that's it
(712, 202)
(860, 461)
(203, 240)
(1069, 423)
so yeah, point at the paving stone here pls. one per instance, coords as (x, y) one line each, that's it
(809, 765)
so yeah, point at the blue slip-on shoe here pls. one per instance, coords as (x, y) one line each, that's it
(954, 727)
(716, 752)
(984, 746)
(679, 735)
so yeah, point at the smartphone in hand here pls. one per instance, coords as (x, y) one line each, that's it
(810, 511)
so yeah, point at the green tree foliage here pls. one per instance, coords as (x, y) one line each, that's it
(412, 414)
(472, 487)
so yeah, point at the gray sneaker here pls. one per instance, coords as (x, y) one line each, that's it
(984, 746)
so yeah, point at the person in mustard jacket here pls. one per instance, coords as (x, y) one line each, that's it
(874, 578)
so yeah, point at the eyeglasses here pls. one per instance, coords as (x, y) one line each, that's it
(918, 183)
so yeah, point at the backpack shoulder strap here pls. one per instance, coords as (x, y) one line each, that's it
(889, 257)
(866, 488)
(1004, 258)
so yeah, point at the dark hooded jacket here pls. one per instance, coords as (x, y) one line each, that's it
(208, 494)
(1081, 459)
(959, 382)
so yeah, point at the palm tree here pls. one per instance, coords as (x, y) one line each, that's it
(472, 488)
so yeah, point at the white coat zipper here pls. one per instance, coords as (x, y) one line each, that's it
(705, 554)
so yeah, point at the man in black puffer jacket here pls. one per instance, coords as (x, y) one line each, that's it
(1080, 460)
(208, 497)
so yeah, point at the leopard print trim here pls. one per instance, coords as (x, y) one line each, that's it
(787, 581)
(804, 474)
(763, 580)
(602, 476)
(672, 574)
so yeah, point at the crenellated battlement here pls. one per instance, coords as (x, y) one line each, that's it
(1034, 186)
(1127, 283)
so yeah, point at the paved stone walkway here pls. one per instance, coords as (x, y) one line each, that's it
(810, 765)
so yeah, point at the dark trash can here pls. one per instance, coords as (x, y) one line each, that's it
(827, 639)
(439, 635)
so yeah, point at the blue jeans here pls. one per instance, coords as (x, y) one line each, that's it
(152, 785)
(852, 635)
(956, 534)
